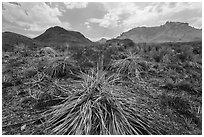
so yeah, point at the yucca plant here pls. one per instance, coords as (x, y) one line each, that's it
(98, 107)
(60, 67)
(48, 51)
(131, 65)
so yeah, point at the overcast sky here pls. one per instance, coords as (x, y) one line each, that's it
(95, 20)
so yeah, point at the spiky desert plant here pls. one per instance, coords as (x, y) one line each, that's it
(48, 51)
(61, 67)
(98, 107)
(130, 65)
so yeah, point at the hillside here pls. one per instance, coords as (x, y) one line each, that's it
(53, 37)
(102, 41)
(60, 36)
(169, 32)
(10, 39)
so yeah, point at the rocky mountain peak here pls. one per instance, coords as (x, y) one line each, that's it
(56, 29)
(168, 32)
(169, 23)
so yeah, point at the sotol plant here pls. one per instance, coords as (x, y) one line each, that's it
(98, 107)
(131, 65)
(60, 67)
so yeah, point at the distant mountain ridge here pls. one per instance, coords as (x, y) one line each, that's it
(10, 39)
(58, 35)
(52, 37)
(102, 40)
(169, 32)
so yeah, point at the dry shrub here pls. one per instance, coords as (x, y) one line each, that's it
(132, 65)
(98, 107)
(61, 67)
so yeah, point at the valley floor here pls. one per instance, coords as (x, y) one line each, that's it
(154, 89)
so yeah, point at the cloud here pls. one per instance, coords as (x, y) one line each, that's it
(114, 11)
(78, 5)
(87, 24)
(161, 12)
(33, 16)
(129, 15)
(15, 3)
(109, 20)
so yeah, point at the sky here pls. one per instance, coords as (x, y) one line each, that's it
(95, 20)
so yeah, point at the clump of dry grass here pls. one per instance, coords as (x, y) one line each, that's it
(60, 67)
(130, 65)
(98, 107)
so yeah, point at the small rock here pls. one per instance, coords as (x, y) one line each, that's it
(23, 127)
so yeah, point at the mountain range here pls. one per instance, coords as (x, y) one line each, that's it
(60, 37)
(169, 32)
(52, 37)
(10, 39)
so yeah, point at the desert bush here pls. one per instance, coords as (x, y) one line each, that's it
(178, 68)
(182, 108)
(186, 86)
(192, 65)
(9, 79)
(15, 62)
(48, 51)
(29, 72)
(177, 103)
(131, 65)
(185, 53)
(62, 67)
(98, 107)
(157, 58)
(22, 50)
(41, 63)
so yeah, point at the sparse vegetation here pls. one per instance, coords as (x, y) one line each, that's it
(98, 107)
(131, 89)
